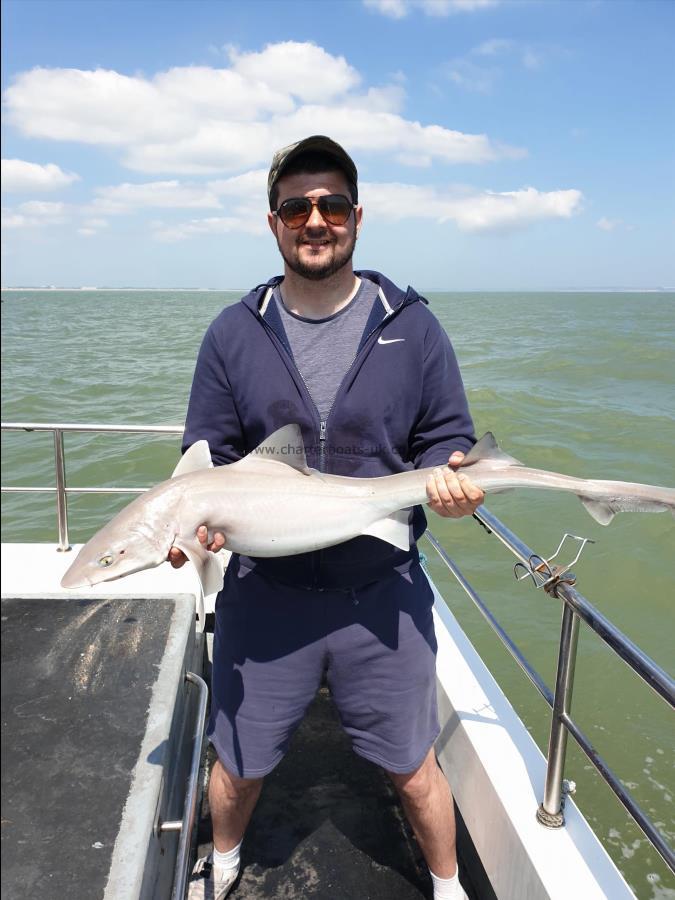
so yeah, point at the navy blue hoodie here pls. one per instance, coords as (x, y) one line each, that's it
(400, 406)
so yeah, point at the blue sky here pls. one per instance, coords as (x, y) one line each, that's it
(500, 145)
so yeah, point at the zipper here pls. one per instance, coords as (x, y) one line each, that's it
(322, 444)
(324, 424)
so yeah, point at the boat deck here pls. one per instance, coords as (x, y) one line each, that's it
(329, 824)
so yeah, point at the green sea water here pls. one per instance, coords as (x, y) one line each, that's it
(581, 383)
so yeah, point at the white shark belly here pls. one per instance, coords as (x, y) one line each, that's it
(283, 522)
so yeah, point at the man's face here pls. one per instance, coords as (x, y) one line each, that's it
(317, 249)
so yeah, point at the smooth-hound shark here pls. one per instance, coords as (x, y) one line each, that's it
(270, 503)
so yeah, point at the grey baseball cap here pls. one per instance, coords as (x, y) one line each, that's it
(315, 143)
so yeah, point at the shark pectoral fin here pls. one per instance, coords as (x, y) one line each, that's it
(394, 529)
(209, 565)
(195, 458)
(601, 510)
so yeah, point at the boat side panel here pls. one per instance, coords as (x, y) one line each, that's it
(497, 774)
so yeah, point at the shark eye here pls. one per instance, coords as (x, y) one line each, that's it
(105, 561)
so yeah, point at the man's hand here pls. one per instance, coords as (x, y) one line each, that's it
(177, 558)
(450, 495)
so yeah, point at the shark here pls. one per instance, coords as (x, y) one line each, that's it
(271, 503)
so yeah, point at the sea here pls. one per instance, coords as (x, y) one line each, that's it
(580, 383)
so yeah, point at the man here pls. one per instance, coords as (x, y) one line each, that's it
(369, 375)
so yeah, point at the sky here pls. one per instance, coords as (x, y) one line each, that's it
(500, 145)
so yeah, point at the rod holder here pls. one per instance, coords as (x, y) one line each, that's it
(551, 813)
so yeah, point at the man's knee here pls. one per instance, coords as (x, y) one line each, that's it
(417, 784)
(231, 785)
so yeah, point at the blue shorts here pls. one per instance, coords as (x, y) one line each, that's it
(273, 643)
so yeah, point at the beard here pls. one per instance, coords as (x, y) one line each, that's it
(317, 271)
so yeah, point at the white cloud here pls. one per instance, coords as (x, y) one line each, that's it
(212, 225)
(467, 74)
(84, 106)
(393, 9)
(205, 121)
(606, 224)
(471, 210)
(12, 219)
(398, 9)
(19, 176)
(493, 46)
(408, 141)
(124, 198)
(244, 196)
(35, 214)
(389, 98)
(470, 72)
(227, 94)
(447, 7)
(304, 70)
(253, 183)
(104, 107)
(91, 227)
(530, 59)
(45, 208)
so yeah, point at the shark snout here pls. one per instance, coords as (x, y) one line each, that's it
(74, 580)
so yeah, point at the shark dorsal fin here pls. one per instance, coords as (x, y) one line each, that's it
(195, 458)
(283, 446)
(488, 448)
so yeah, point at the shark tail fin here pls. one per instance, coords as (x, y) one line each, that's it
(602, 511)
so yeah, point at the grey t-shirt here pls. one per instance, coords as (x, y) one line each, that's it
(324, 349)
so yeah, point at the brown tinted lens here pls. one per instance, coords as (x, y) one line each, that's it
(335, 208)
(295, 212)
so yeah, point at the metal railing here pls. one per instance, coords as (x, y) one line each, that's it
(61, 489)
(557, 581)
(575, 608)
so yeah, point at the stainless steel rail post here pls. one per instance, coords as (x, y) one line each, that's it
(550, 812)
(61, 498)
(186, 824)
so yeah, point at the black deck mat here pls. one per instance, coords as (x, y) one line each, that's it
(77, 678)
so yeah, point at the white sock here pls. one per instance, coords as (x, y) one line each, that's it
(229, 861)
(447, 888)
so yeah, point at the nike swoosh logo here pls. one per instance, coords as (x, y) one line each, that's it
(381, 340)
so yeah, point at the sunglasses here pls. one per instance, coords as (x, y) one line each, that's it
(334, 208)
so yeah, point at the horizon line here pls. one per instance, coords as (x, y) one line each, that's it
(205, 290)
